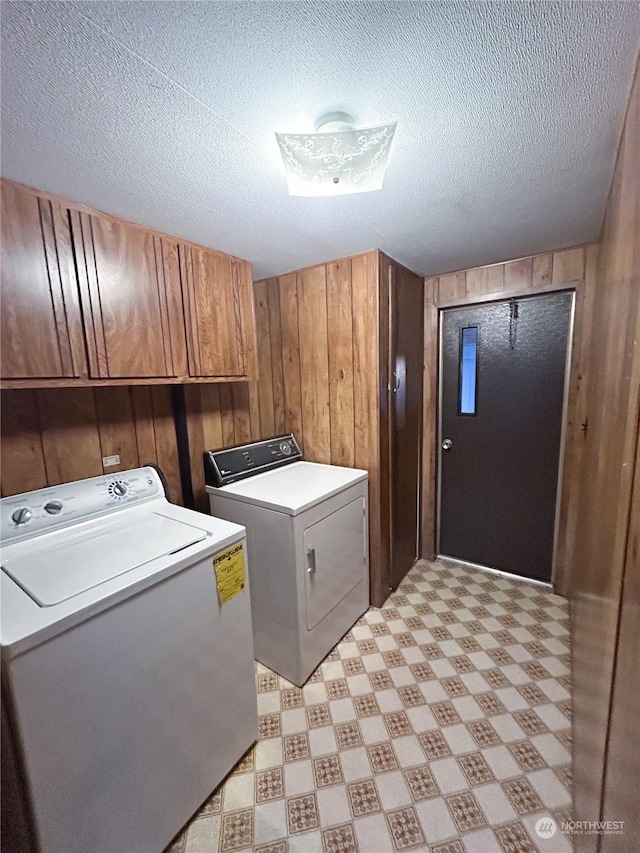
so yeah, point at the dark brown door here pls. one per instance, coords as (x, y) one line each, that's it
(405, 410)
(502, 385)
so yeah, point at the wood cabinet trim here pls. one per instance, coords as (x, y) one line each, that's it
(170, 275)
(167, 349)
(49, 241)
(85, 261)
(84, 382)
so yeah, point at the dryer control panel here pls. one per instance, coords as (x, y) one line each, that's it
(245, 460)
(44, 509)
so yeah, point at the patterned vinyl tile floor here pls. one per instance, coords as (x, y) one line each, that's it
(439, 723)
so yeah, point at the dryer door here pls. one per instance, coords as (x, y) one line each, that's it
(335, 559)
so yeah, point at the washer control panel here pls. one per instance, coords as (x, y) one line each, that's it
(235, 463)
(36, 512)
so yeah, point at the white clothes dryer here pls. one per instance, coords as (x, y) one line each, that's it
(308, 546)
(128, 679)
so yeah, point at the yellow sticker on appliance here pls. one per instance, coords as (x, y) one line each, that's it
(230, 572)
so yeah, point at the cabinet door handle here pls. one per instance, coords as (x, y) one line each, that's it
(311, 558)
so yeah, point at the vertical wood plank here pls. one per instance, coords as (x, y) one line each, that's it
(495, 278)
(518, 275)
(70, 436)
(452, 287)
(265, 382)
(143, 424)
(568, 265)
(314, 363)
(211, 420)
(169, 274)
(254, 411)
(564, 566)
(116, 427)
(241, 416)
(541, 272)
(288, 286)
(429, 425)
(195, 431)
(477, 281)
(340, 325)
(166, 444)
(277, 374)
(364, 281)
(241, 271)
(226, 415)
(21, 452)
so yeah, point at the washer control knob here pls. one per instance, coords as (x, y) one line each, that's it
(22, 515)
(53, 507)
(118, 490)
(285, 448)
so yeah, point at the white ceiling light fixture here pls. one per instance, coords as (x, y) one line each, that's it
(337, 159)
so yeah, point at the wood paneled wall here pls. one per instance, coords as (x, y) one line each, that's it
(604, 596)
(52, 436)
(319, 362)
(570, 268)
(218, 416)
(56, 435)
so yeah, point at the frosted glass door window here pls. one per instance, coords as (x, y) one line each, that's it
(468, 370)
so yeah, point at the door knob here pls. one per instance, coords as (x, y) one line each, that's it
(447, 444)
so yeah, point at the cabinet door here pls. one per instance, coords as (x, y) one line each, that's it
(40, 318)
(219, 314)
(131, 297)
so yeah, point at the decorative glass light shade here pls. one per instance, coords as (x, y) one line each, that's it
(338, 159)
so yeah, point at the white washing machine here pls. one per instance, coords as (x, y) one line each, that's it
(128, 675)
(307, 539)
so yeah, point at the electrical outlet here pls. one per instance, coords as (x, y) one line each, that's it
(107, 461)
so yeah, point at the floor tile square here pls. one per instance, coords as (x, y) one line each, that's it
(382, 757)
(348, 735)
(327, 771)
(475, 768)
(269, 784)
(355, 764)
(363, 797)
(434, 744)
(302, 813)
(322, 741)
(296, 747)
(435, 819)
(397, 724)
(366, 706)
(237, 830)
(393, 790)
(405, 829)
(318, 715)
(340, 839)
(466, 811)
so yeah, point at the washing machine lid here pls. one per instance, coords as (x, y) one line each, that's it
(293, 488)
(81, 559)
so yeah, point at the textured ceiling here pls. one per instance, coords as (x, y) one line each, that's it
(509, 116)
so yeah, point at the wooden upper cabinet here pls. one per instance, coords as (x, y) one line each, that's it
(219, 314)
(131, 295)
(89, 298)
(40, 318)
